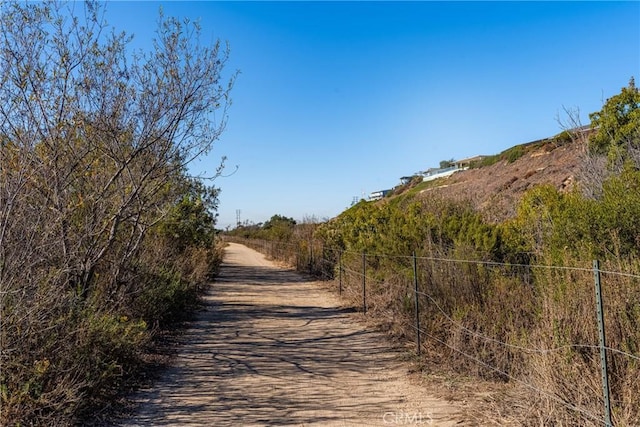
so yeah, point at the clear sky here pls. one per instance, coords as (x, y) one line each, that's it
(339, 99)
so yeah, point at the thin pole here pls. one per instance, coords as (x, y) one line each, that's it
(340, 272)
(324, 274)
(415, 293)
(364, 282)
(603, 345)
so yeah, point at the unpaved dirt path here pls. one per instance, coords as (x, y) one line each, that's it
(274, 349)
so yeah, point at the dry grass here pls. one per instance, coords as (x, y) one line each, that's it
(532, 329)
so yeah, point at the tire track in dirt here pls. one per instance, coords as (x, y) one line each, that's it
(273, 348)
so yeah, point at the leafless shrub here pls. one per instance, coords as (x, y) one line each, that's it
(93, 152)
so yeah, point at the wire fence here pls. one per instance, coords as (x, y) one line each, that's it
(448, 305)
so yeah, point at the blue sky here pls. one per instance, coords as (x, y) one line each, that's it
(339, 99)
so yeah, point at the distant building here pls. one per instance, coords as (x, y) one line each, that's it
(457, 165)
(378, 195)
(465, 163)
(404, 180)
(430, 171)
(435, 173)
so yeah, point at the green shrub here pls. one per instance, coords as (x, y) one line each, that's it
(165, 298)
(514, 153)
(491, 297)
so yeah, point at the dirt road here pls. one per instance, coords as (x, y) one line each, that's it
(273, 348)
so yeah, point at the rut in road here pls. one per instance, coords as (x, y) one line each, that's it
(274, 348)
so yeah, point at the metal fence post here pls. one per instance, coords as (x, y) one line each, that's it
(364, 282)
(324, 274)
(603, 345)
(415, 293)
(340, 273)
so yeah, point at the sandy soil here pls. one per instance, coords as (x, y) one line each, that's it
(273, 348)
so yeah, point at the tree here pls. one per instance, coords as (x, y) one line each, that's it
(94, 146)
(104, 137)
(191, 221)
(277, 220)
(278, 227)
(617, 126)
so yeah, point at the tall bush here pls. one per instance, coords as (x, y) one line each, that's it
(94, 146)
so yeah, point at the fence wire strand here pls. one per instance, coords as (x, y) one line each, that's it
(515, 346)
(524, 383)
(373, 281)
(495, 263)
(354, 274)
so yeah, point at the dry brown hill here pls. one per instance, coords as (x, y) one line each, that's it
(496, 189)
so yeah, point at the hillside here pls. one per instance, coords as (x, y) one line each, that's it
(496, 189)
(508, 301)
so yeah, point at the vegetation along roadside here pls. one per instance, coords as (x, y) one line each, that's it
(105, 238)
(507, 297)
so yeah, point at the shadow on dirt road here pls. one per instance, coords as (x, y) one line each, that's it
(273, 348)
